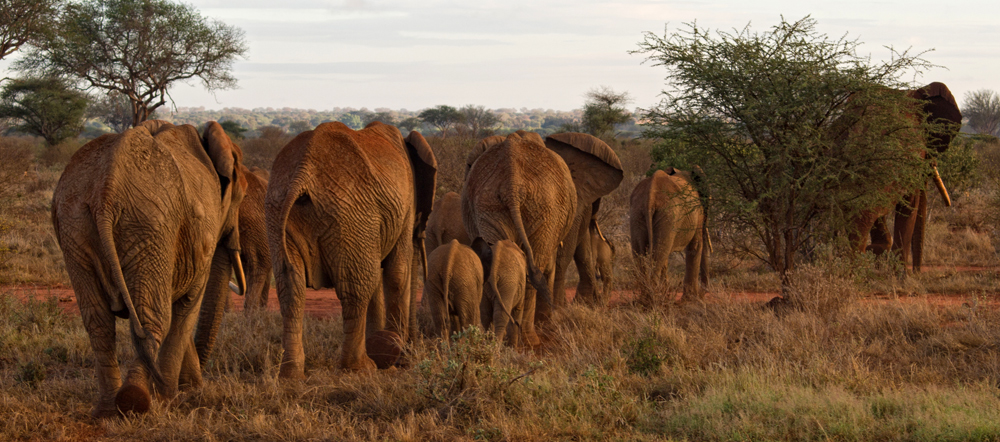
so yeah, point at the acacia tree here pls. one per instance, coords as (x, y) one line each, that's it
(23, 20)
(982, 108)
(137, 48)
(794, 130)
(603, 110)
(478, 120)
(46, 107)
(442, 117)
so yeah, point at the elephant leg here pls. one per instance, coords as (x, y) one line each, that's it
(438, 308)
(881, 240)
(918, 232)
(859, 230)
(586, 267)
(501, 322)
(212, 304)
(513, 333)
(906, 219)
(396, 268)
(528, 326)
(175, 355)
(99, 322)
(563, 259)
(486, 314)
(291, 284)
(692, 269)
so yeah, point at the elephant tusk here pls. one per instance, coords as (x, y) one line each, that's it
(241, 277)
(708, 238)
(940, 186)
(234, 287)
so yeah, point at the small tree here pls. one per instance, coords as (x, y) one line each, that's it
(479, 121)
(982, 108)
(383, 117)
(22, 21)
(233, 129)
(138, 48)
(603, 110)
(46, 107)
(794, 130)
(442, 117)
(409, 124)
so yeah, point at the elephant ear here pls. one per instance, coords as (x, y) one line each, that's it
(942, 112)
(224, 154)
(424, 167)
(480, 147)
(595, 168)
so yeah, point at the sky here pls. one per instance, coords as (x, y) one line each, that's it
(321, 54)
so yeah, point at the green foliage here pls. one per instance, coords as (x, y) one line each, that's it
(603, 110)
(46, 107)
(442, 117)
(794, 130)
(113, 109)
(408, 125)
(644, 355)
(959, 165)
(23, 20)
(477, 121)
(233, 129)
(138, 48)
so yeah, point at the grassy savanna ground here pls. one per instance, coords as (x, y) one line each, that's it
(861, 354)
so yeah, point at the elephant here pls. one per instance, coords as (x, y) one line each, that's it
(255, 258)
(517, 189)
(453, 288)
(939, 108)
(445, 222)
(347, 209)
(253, 241)
(596, 172)
(145, 219)
(666, 215)
(604, 257)
(503, 288)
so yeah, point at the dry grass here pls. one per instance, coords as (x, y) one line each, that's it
(836, 364)
(837, 367)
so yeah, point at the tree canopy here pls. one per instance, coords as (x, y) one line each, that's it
(137, 48)
(982, 108)
(603, 110)
(23, 20)
(793, 129)
(46, 107)
(442, 117)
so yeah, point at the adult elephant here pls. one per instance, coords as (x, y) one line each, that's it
(518, 189)
(255, 259)
(346, 209)
(666, 215)
(596, 172)
(938, 108)
(144, 219)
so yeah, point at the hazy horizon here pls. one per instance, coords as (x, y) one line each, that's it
(316, 54)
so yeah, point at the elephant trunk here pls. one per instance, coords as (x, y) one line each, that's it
(940, 187)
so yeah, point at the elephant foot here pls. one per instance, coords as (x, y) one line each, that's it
(105, 410)
(291, 371)
(133, 398)
(361, 364)
(384, 347)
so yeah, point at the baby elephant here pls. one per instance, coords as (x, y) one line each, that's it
(504, 273)
(454, 287)
(604, 259)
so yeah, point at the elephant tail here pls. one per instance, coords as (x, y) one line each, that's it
(277, 226)
(145, 346)
(535, 275)
(446, 280)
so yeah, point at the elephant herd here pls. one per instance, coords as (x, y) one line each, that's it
(154, 222)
